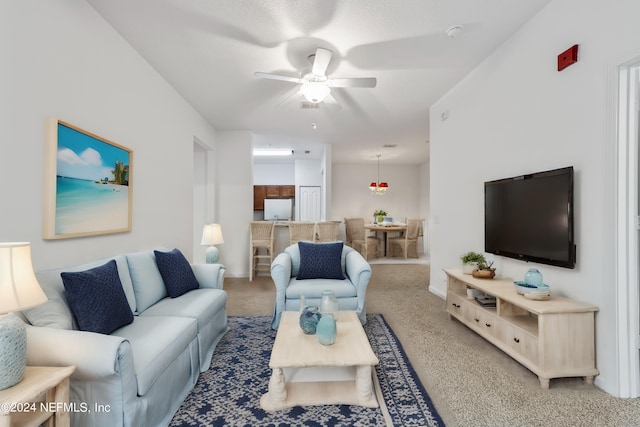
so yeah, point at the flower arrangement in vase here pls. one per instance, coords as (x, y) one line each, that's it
(379, 215)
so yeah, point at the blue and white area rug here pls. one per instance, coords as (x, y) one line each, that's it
(228, 394)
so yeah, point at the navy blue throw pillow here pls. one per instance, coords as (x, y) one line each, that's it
(320, 261)
(96, 299)
(176, 272)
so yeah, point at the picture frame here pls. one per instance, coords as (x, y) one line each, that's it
(88, 185)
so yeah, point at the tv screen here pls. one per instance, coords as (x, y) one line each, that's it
(530, 217)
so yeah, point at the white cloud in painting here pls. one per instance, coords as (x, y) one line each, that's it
(69, 156)
(87, 165)
(91, 156)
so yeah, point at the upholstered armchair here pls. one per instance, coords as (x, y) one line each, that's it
(316, 268)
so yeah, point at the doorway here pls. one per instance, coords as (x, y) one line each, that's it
(203, 200)
(628, 229)
(310, 209)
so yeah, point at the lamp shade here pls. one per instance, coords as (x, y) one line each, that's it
(19, 289)
(315, 91)
(211, 235)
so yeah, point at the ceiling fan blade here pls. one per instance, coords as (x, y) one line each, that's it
(292, 95)
(277, 77)
(355, 82)
(331, 102)
(321, 61)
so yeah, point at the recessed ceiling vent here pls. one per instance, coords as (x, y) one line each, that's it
(390, 145)
(305, 105)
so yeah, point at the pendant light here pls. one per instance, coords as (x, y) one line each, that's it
(378, 188)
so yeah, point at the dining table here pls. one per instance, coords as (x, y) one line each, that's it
(386, 229)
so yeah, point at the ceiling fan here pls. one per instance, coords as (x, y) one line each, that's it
(316, 86)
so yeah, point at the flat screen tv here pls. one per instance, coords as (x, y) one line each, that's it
(530, 217)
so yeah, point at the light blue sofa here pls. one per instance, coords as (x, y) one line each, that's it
(350, 292)
(143, 371)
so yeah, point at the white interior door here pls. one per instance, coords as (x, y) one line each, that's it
(310, 197)
(628, 239)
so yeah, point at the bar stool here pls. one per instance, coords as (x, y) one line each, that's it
(262, 237)
(301, 231)
(327, 231)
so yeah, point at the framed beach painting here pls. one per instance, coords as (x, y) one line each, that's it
(87, 183)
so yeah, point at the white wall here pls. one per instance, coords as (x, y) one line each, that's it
(351, 197)
(61, 59)
(274, 173)
(516, 114)
(423, 202)
(235, 199)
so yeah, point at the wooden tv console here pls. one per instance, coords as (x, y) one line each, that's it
(553, 338)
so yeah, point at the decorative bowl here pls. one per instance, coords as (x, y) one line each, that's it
(538, 295)
(484, 274)
(522, 288)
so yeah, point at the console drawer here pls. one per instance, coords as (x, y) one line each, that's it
(522, 342)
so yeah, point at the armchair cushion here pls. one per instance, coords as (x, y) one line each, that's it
(176, 272)
(97, 299)
(320, 261)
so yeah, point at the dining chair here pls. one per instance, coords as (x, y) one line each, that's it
(358, 240)
(262, 237)
(327, 231)
(301, 231)
(409, 239)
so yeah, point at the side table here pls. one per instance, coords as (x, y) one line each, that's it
(22, 404)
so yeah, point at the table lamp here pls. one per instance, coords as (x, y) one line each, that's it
(19, 290)
(212, 235)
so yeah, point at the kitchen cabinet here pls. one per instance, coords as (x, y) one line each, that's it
(261, 192)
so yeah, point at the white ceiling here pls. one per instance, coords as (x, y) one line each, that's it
(209, 49)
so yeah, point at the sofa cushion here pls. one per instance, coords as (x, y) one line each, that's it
(97, 299)
(320, 261)
(201, 304)
(156, 342)
(147, 281)
(176, 272)
(55, 313)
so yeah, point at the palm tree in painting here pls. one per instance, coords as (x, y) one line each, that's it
(120, 173)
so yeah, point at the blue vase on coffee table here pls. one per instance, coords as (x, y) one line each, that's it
(326, 330)
(309, 319)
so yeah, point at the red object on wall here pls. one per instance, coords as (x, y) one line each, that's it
(568, 57)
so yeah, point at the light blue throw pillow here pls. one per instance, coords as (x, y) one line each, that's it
(147, 281)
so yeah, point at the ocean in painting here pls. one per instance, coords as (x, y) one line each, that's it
(86, 206)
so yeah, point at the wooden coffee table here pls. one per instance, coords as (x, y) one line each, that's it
(305, 372)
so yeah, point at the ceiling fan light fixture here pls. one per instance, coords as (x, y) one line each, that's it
(315, 91)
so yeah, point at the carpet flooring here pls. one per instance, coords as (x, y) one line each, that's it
(470, 381)
(228, 394)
